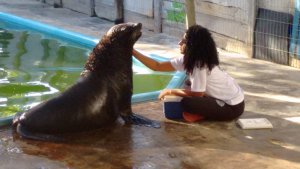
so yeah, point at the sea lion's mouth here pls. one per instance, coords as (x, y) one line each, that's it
(138, 26)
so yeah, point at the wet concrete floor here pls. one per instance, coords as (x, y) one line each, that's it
(271, 91)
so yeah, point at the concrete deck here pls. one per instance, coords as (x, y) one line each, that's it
(271, 91)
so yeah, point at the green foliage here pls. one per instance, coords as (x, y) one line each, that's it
(177, 14)
(177, 5)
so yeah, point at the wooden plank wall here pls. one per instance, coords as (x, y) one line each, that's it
(140, 6)
(78, 5)
(218, 16)
(106, 9)
(140, 11)
(231, 21)
(56, 3)
(134, 11)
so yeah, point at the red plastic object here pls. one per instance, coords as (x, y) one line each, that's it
(189, 117)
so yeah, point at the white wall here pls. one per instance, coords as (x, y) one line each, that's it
(144, 7)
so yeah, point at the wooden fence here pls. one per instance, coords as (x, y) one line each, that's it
(169, 16)
(237, 25)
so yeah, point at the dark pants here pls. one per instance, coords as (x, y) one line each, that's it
(210, 109)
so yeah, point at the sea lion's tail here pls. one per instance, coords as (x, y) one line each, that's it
(25, 133)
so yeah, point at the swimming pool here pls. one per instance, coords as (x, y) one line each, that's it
(38, 61)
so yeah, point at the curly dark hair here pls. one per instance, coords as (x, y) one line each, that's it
(200, 49)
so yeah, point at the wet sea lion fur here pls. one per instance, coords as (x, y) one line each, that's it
(98, 98)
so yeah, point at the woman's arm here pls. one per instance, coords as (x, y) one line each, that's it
(179, 92)
(153, 64)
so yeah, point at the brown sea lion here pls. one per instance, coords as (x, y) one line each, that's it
(101, 95)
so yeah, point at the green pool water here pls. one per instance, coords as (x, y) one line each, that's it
(34, 68)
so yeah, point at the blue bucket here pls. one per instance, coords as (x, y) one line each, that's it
(172, 107)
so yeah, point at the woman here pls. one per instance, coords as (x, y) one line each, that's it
(213, 94)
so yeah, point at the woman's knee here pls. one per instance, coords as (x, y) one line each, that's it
(188, 105)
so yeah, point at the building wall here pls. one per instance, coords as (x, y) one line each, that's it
(230, 21)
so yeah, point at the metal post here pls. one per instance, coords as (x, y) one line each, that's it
(252, 9)
(119, 12)
(92, 5)
(158, 16)
(58, 4)
(190, 13)
(293, 43)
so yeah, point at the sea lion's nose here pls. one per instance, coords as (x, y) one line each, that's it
(138, 25)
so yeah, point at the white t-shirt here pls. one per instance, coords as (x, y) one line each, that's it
(215, 83)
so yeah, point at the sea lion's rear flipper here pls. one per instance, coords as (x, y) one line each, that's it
(140, 120)
(25, 133)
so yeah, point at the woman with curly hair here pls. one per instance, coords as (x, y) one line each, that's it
(212, 93)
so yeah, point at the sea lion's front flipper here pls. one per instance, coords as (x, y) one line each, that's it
(140, 120)
(16, 119)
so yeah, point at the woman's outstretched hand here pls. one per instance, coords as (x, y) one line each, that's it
(164, 93)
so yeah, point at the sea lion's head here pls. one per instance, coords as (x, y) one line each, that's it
(125, 33)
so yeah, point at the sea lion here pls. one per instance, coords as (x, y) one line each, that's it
(98, 98)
